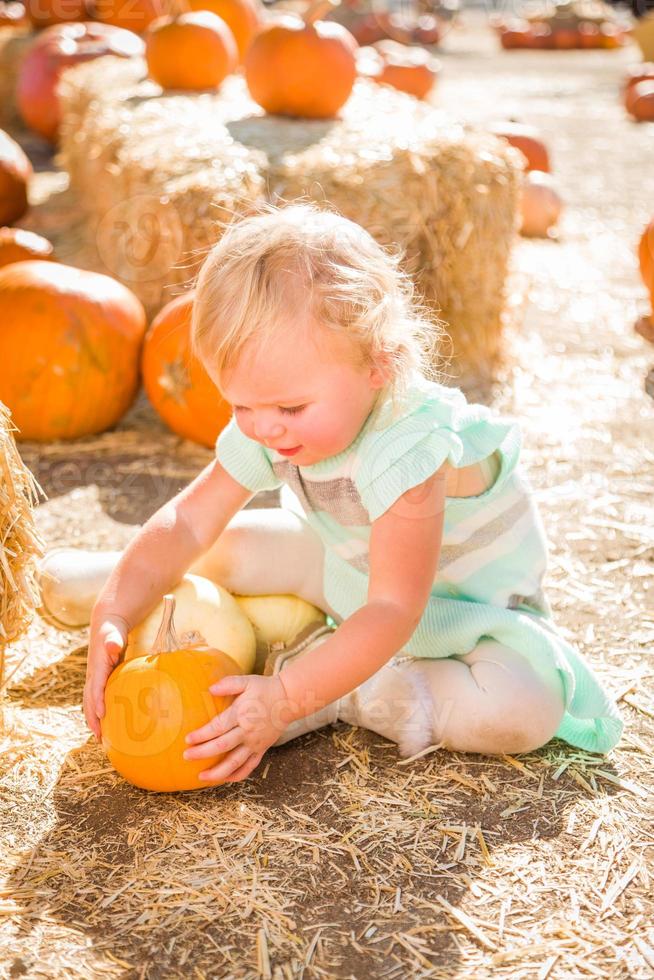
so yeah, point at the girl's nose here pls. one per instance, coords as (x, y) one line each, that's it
(269, 430)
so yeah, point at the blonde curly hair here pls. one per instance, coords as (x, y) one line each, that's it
(282, 262)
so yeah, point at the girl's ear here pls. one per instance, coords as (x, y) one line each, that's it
(380, 371)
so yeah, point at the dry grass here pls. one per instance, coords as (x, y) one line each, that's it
(335, 859)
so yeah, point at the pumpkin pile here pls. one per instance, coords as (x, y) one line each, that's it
(541, 204)
(570, 25)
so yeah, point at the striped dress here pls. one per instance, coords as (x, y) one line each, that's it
(493, 552)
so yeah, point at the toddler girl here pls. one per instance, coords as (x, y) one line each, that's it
(409, 522)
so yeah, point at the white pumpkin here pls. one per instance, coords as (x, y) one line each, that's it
(205, 614)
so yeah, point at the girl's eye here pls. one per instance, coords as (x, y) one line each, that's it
(293, 411)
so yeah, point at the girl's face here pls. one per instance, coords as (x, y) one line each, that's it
(306, 390)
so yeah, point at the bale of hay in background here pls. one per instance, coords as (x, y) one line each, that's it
(20, 544)
(14, 42)
(157, 171)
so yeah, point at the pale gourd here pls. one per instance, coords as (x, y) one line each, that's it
(206, 614)
(277, 619)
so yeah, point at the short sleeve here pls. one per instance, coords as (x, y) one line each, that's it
(443, 428)
(401, 458)
(245, 459)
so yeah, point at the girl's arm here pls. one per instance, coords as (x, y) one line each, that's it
(168, 543)
(404, 551)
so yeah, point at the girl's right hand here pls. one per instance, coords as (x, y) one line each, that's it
(106, 643)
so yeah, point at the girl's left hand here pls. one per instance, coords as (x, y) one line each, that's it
(252, 723)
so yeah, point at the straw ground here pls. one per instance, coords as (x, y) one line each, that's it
(334, 859)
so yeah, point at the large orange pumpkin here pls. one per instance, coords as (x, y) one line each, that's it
(131, 15)
(69, 349)
(194, 51)
(56, 49)
(15, 175)
(302, 67)
(18, 245)
(175, 381)
(153, 702)
(646, 257)
(243, 17)
(45, 13)
(526, 139)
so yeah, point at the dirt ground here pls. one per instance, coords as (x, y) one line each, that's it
(334, 859)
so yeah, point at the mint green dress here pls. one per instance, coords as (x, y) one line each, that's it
(493, 552)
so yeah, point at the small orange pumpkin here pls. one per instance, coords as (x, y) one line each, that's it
(641, 101)
(18, 245)
(637, 74)
(409, 69)
(79, 372)
(179, 388)
(527, 139)
(646, 257)
(541, 205)
(153, 702)
(302, 67)
(191, 52)
(13, 14)
(243, 17)
(15, 175)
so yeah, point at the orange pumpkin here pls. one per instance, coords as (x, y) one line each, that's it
(153, 702)
(409, 69)
(641, 102)
(302, 67)
(15, 175)
(243, 17)
(13, 14)
(191, 52)
(131, 15)
(589, 34)
(78, 374)
(527, 140)
(45, 13)
(638, 73)
(17, 245)
(541, 205)
(515, 34)
(646, 257)
(179, 388)
(56, 49)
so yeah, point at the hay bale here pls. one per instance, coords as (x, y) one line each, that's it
(157, 167)
(20, 543)
(14, 42)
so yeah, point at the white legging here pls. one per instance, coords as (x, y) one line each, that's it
(493, 700)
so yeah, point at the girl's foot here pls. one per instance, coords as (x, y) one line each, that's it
(70, 580)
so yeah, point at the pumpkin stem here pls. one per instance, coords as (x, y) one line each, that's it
(316, 10)
(166, 639)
